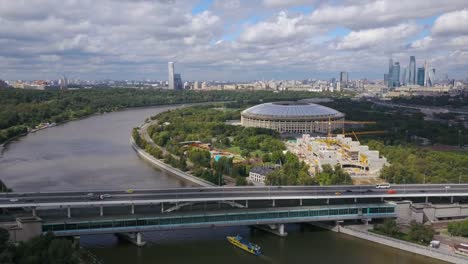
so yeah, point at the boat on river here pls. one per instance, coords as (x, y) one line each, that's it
(239, 242)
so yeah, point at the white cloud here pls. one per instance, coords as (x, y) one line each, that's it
(233, 39)
(279, 29)
(370, 14)
(285, 3)
(377, 37)
(451, 23)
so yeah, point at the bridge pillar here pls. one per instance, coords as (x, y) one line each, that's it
(139, 240)
(101, 210)
(134, 238)
(451, 199)
(281, 229)
(162, 207)
(427, 199)
(300, 202)
(273, 203)
(355, 200)
(246, 203)
(133, 209)
(34, 212)
(381, 199)
(275, 229)
(328, 200)
(69, 212)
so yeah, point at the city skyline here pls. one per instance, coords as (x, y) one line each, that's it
(230, 40)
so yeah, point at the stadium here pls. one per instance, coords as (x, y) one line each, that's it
(293, 117)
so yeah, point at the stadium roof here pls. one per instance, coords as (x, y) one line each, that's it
(291, 110)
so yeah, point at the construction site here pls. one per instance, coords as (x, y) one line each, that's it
(362, 164)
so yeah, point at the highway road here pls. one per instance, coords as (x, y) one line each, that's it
(124, 197)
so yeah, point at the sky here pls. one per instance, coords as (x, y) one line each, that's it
(235, 40)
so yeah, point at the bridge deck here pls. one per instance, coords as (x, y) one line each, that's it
(238, 217)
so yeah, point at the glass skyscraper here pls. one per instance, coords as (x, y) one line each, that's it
(396, 75)
(412, 70)
(421, 76)
(170, 77)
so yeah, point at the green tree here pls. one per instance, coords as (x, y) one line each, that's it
(388, 227)
(420, 233)
(241, 181)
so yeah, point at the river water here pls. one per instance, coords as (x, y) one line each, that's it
(95, 153)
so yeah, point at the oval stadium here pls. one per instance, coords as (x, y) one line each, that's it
(292, 117)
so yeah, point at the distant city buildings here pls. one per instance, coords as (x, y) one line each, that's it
(410, 76)
(3, 84)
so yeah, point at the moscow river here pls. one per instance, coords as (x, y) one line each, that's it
(95, 153)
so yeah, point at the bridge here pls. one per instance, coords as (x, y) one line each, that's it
(135, 211)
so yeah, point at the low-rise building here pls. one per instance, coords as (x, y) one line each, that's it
(257, 175)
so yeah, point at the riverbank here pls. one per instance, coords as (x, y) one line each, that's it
(396, 243)
(161, 165)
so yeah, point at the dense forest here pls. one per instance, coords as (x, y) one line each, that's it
(23, 109)
(402, 126)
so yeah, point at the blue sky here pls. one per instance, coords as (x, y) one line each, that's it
(229, 39)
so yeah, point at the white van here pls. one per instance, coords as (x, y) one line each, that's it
(382, 186)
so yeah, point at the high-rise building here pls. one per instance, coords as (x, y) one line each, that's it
(170, 68)
(203, 85)
(403, 77)
(178, 84)
(429, 75)
(421, 77)
(412, 70)
(344, 79)
(196, 86)
(396, 75)
(388, 78)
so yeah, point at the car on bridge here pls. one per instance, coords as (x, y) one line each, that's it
(382, 186)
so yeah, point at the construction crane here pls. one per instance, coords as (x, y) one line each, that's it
(345, 122)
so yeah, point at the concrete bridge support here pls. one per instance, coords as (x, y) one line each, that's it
(275, 229)
(133, 209)
(69, 212)
(134, 238)
(101, 210)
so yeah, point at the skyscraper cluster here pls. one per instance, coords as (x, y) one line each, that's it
(423, 76)
(174, 79)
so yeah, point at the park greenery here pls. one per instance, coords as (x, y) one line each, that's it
(458, 228)
(417, 232)
(43, 249)
(21, 110)
(411, 164)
